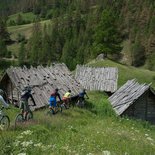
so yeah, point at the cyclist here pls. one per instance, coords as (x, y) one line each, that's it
(25, 95)
(2, 99)
(66, 98)
(53, 101)
(81, 98)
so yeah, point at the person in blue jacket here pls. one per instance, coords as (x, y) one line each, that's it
(53, 99)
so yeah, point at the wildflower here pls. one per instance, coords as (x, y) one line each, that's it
(146, 134)
(20, 137)
(149, 138)
(49, 146)
(16, 143)
(21, 154)
(38, 144)
(27, 132)
(106, 152)
(44, 147)
(65, 147)
(26, 144)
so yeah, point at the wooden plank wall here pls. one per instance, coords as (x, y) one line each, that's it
(43, 81)
(103, 79)
(151, 108)
(126, 95)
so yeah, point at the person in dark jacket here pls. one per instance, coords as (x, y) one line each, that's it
(25, 95)
(81, 98)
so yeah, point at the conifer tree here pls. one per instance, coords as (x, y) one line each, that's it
(22, 54)
(35, 44)
(4, 37)
(107, 39)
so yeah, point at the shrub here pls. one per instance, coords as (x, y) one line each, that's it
(152, 25)
(151, 62)
(11, 23)
(20, 37)
(138, 54)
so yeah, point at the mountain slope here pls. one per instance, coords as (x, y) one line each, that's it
(94, 130)
(127, 72)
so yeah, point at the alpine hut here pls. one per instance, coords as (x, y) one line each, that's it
(42, 80)
(134, 100)
(97, 78)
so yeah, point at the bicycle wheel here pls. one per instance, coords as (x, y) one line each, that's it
(66, 106)
(59, 108)
(19, 120)
(5, 122)
(50, 112)
(29, 115)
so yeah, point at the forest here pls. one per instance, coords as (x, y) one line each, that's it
(78, 31)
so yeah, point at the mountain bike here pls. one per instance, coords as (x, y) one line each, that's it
(53, 110)
(4, 120)
(21, 118)
(80, 102)
(66, 103)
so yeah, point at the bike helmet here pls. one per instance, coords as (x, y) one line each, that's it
(56, 89)
(27, 89)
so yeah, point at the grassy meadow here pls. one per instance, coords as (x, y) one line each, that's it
(29, 16)
(25, 30)
(127, 72)
(94, 130)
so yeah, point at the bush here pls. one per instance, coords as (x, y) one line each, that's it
(11, 23)
(151, 62)
(20, 37)
(49, 15)
(152, 25)
(138, 54)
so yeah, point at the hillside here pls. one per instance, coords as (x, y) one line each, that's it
(23, 30)
(127, 72)
(127, 29)
(94, 130)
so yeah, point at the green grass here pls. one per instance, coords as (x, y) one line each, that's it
(128, 72)
(25, 30)
(94, 130)
(25, 16)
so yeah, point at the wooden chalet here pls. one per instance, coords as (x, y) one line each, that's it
(43, 81)
(134, 100)
(97, 78)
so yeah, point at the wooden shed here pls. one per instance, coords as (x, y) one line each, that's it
(97, 78)
(135, 100)
(43, 81)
